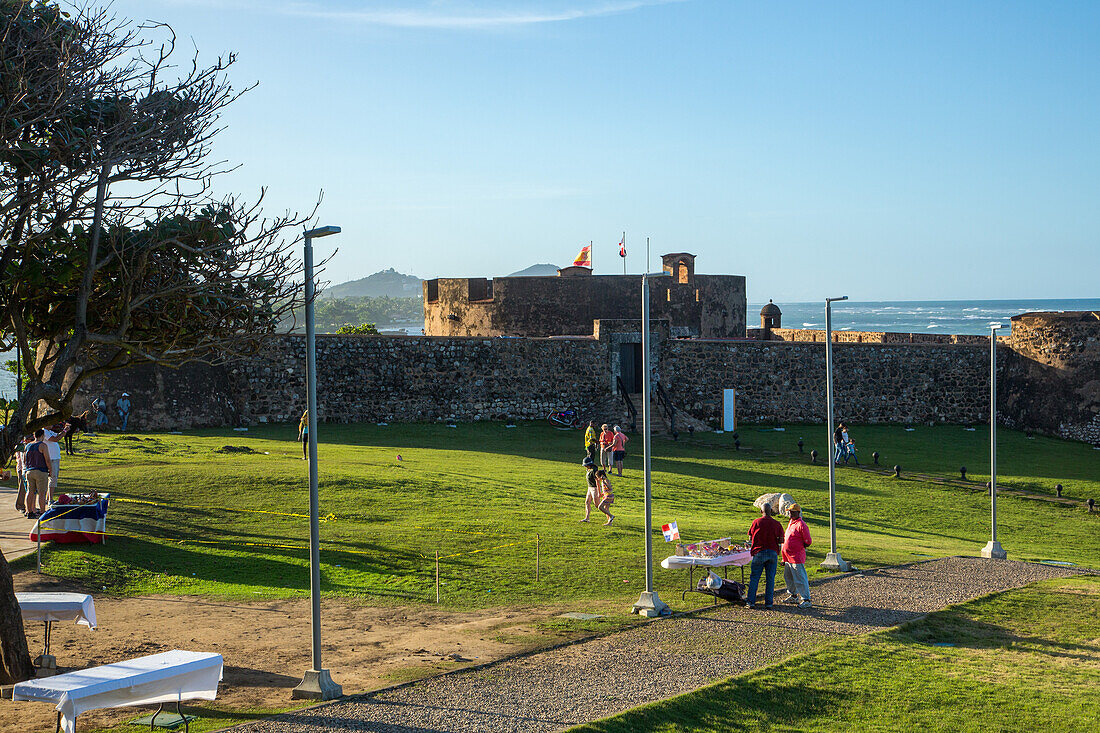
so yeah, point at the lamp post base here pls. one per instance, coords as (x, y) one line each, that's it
(650, 606)
(994, 551)
(317, 685)
(833, 561)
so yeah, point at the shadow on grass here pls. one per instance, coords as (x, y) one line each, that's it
(260, 567)
(954, 628)
(747, 703)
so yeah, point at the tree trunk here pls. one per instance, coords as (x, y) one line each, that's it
(15, 659)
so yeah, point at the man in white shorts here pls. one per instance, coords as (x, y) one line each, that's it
(53, 445)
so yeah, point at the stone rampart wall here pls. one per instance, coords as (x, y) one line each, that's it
(1049, 379)
(810, 335)
(1052, 381)
(872, 382)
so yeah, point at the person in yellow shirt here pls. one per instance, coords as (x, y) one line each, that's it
(303, 434)
(590, 442)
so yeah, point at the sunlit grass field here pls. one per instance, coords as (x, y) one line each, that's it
(479, 494)
(1023, 660)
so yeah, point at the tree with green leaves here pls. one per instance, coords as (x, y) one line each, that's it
(113, 250)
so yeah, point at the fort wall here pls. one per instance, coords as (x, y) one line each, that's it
(703, 305)
(1052, 376)
(1049, 379)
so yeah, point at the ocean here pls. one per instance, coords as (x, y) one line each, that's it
(915, 316)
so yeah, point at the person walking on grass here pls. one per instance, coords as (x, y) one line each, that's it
(604, 496)
(590, 442)
(795, 542)
(303, 434)
(618, 448)
(766, 535)
(838, 443)
(607, 442)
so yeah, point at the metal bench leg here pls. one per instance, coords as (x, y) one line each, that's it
(153, 719)
(58, 730)
(186, 722)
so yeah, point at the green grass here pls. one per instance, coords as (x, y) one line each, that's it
(1027, 659)
(480, 486)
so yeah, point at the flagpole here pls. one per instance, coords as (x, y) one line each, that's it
(647, 254)
(624, 253)
(592, 256)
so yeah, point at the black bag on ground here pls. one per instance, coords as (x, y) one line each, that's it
(730, 590)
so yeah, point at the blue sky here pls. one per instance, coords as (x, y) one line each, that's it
(883, 150)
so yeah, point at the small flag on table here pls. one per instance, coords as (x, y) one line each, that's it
(584, 259)
(671, 532)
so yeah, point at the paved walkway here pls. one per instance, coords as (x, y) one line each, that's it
(14, 527)
(563, 687)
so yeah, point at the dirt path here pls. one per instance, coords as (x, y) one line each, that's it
(559, 688)
(266, 645)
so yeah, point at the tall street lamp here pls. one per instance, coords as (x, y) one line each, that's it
(648, 604)
(316, 684)
(993, 548)
(833, 560)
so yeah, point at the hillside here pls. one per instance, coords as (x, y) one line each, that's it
(388, 283)
(537, 271)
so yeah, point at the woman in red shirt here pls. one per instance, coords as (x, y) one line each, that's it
(795, 542)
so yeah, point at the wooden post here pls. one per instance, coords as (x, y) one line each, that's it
(437, 576)
(536, 558)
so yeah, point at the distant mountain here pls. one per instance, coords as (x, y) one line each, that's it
(537, 271)
(387, 282)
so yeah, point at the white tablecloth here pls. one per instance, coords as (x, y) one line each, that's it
(165, 677)
(677, 561)
(57, 607)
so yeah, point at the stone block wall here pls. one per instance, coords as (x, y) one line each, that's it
(1049, 379)
(810, 335)
(1052, 381)
(784, 381)
(392, 378)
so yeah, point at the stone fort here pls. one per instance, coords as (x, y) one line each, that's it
(692, 305)
(519, 347)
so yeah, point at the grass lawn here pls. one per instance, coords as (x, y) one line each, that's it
(1027, 659)
(478, 494)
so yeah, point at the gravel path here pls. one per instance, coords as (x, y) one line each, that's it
(562, 687)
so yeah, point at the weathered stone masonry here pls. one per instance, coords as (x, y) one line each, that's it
(873, 382)
(1049, 379)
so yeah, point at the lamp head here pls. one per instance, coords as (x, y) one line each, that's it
(321, 232)
(833, 300)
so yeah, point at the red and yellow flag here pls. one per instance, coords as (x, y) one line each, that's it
(584, 259)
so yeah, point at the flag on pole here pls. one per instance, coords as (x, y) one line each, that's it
(622, 246)
(584, 259)
(671, 532)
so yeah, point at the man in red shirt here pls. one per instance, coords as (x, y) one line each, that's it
(767, 537)
(795, 543)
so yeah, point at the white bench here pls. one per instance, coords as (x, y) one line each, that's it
(156, 679)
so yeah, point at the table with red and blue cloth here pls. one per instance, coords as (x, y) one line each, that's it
(74, 522)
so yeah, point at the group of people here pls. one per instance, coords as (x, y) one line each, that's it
(123, 407)
(37, 468)
(609, 445)
(770, 543)
(844, 448)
